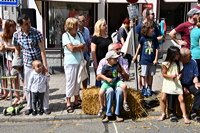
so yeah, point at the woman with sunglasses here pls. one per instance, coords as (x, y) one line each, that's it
(99, 45)
(73, 44)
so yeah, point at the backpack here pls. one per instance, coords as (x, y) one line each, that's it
(114, 36)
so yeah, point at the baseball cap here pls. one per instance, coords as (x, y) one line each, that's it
(193, 11)
(111, 54)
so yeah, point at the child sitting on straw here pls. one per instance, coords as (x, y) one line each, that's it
(111, 79)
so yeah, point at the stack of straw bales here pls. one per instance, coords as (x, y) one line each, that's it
(188, 99)
(90, 103)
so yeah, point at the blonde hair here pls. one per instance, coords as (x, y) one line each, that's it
(97, 27)
(198, 21)
(69, 23)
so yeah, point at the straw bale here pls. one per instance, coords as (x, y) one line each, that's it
(90, 103)
(188, 99)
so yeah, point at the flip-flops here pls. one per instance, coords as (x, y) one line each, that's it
(15, 102)
(101, 110)
(3, 97)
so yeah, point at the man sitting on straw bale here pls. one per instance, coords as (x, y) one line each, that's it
(190, 83)
(112, 93)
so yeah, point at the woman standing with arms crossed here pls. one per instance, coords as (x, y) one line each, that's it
(6, 46)
(99, 45)
(73, 44)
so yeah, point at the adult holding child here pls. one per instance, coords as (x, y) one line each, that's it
(172, 72)
(32, 42)
(74, 45)
(7, 47)
(114, 93)
(99, 44)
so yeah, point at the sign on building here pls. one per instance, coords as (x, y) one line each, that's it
(9, 2)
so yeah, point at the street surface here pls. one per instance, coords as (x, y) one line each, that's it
(144, 125)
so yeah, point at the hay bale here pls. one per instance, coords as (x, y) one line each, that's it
(90, 103)
(188, 104)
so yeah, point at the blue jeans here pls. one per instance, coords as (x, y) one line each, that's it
(112, 95)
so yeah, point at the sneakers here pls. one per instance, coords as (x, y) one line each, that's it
(194, 117)
(47, 111)
(34, 113)
(148, 92)
(144, 91)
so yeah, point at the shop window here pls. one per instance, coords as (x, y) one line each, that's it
(58, 12)
(173, 13)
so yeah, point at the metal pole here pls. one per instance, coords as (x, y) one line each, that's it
(134, 51)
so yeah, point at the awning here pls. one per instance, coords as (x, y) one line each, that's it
(82, 1)
(195, 1)
(124, 1)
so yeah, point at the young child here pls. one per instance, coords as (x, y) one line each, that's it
(148, 48)
(171, 71)
(111, 79)
(37, 86)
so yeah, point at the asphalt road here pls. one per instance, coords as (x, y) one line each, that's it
(144, 125)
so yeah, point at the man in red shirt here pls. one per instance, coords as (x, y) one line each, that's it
(185, 28)
(198, 5)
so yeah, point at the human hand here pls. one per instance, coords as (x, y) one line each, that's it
(119, 68)
(182, 42)
(197, 85)
(109, 80)
(155, 62)
(174, 76)
(134, 59)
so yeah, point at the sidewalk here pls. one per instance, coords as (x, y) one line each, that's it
(57, 100)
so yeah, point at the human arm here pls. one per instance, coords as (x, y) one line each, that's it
(137, 52)
(44, 59)
(123, 73)
(94, 57)
(172, 34)
(30, 82)
(165, 75)
(156, 58)
(196, 82)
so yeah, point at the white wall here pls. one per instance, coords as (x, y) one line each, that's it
(31, 4)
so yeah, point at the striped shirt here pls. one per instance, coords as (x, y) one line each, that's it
(29, 44)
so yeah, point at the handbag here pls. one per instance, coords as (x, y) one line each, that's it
(82, 72)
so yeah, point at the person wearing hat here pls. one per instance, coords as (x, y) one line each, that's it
(185, 28)
(111, 79)
(114, 93)
(198, 5)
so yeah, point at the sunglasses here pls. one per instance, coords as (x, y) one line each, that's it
(151, 14)
(82, 20)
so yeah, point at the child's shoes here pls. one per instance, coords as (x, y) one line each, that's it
(144, 91)
(148, 92)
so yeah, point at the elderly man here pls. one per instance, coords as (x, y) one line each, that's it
(112, 93)
(185, 28)
(190, 83)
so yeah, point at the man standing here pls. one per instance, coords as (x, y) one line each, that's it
(185, 28)
(112, 93)
(189, 81)
(31, 41)
(86, 35)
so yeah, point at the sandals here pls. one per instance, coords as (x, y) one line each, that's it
(163, 117)
(70, 109)
(186, 120)
(22, 101)
(15, 102)
(3, 97)
(173, 118)
(77, 105)
(101, 110)
(126, 107)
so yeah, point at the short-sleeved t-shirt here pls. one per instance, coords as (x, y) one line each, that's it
(196, 7)
(72, 57)
(113, 72)
(102, 46)
(149, 44)
(121, 33)
(184, 29)
(138, 29)
(195, 46)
